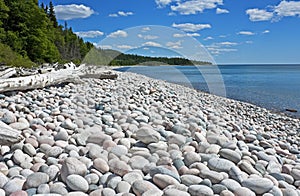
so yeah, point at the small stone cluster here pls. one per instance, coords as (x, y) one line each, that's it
(140, 136)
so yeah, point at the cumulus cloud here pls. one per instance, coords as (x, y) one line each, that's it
(145, 29)
(189, 27)
(245, 33)
(174, 45)
(283, 9)
(147, 37)
(153, 44)
(126, 47)
(162, 3)
(288, 8)
(221, 11)
(105, 47)
(228, 43)
(73, 11)
(266, 31)
(208, 38)
(179, 35)
(259, 15)
(118, 33)
(195, 6)
(121, 13)
(89, 34)
(221, 47)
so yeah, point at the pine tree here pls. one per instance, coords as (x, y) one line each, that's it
(51, 15)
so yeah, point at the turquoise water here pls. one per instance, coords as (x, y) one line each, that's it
(276, 87)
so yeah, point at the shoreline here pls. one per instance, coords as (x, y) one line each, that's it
(136, 135)
(287, 111)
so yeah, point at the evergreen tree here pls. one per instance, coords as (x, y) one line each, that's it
(3, 16)
(51, 15)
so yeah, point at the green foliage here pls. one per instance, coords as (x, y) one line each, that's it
(11, 58)
(131, 59)
(33, 32)
(115, 58)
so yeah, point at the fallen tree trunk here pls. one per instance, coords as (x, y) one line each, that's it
(55, 77)
(40, 80)
(7, 73)
(8, 135)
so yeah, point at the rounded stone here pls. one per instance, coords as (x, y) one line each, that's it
(101, 165)
(232, 185)
(243, 191)
(147, 135)
(213, 176)
(123, 187)
(141, 186)
(172, 192)
(200, 190)
(162, 181)
(220, 165)
(132, 176)
(77, 183)
(13, 185)
(190, 158)
(118, 167)
(189, 180)
(72, 166)
(36, 179)
(230, 155)
(258, 185)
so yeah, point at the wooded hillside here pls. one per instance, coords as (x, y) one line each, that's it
(32, 31)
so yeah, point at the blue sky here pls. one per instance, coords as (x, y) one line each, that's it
(232, 31)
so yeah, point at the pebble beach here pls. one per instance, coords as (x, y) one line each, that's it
(139, 136)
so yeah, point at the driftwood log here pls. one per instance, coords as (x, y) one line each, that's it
(8, 135)
(69, 73)
(41, 78)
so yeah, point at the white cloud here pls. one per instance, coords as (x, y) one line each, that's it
(105, 47)
(118, 33)
(121, 13)
(283, 9)
(72, 11)
(221, 11)
(266, 31)
(216, 51)
(89, 34)
(162, 3)
(228, 43)
(145, 29)
(113, 15)
(208, 38)
(195, 6)
(245, 33)
(221, 47)
(191, 27)
(126, 47)
(153, 44)
(174, 45)
(259, 15)
(178, 35)
(147, 37)
(249, 42)
(288, 8)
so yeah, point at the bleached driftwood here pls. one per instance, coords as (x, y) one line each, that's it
(53, 76)
(8, 135)
(40, 80)
(7, 73)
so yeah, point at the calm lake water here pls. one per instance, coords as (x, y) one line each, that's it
(276, 87)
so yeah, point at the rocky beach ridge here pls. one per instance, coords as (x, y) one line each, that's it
(139, 136)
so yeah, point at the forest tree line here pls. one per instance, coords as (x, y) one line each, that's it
(30, 33)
